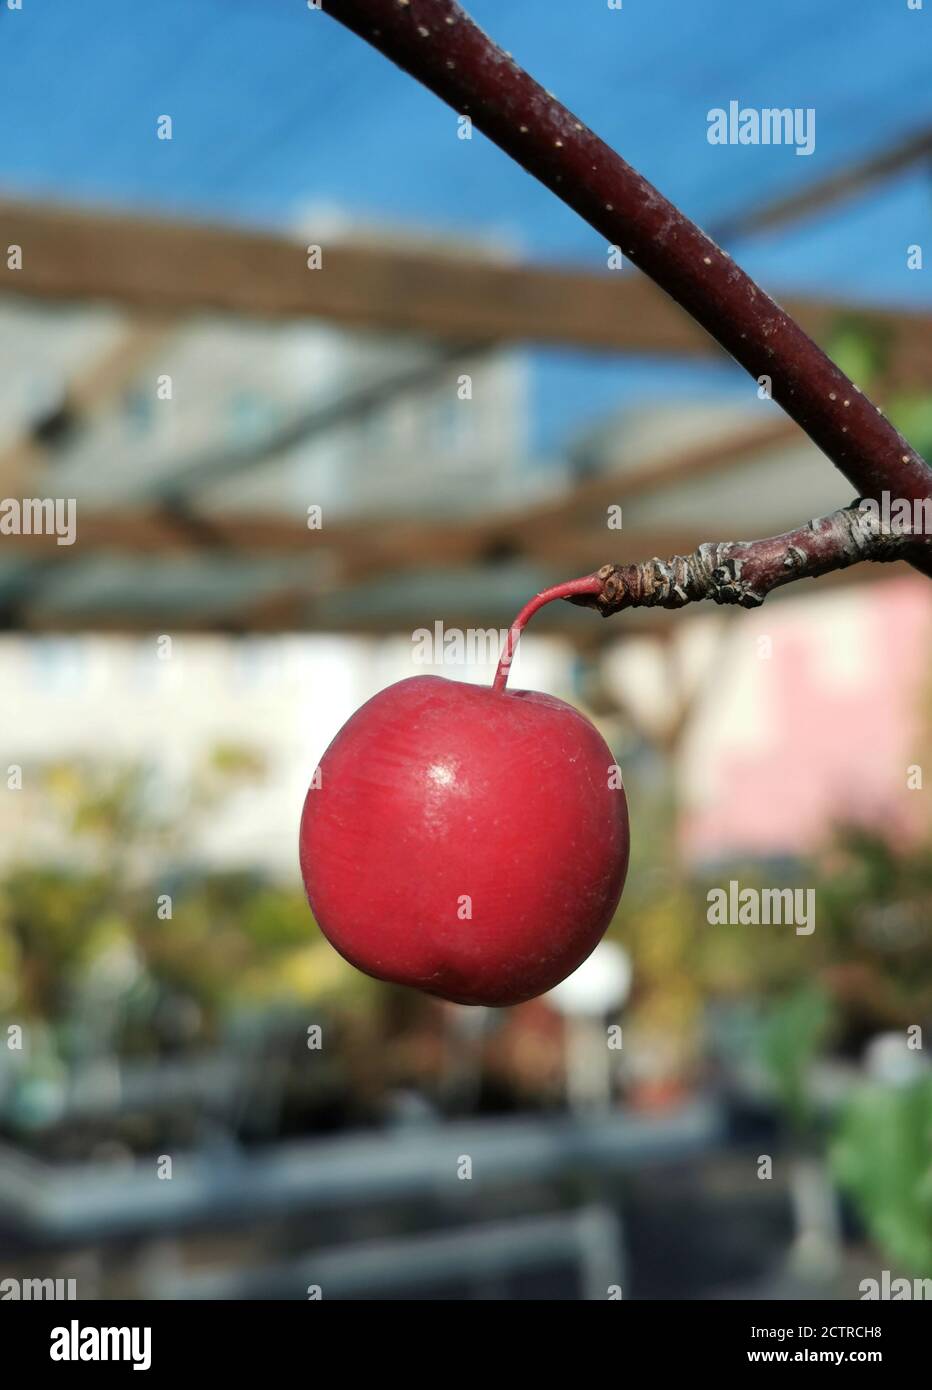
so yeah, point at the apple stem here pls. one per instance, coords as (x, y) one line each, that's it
(589, 584)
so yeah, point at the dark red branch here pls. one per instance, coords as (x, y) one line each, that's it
(440, 45)
(745, 572)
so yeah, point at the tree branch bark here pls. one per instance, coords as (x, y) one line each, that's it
(440, 45)
(745, 572)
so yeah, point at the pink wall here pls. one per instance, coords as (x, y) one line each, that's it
(825, 749)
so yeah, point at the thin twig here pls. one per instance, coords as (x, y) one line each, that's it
(440, 45)
(745, 572)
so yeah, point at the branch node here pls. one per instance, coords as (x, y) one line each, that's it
(744, 572)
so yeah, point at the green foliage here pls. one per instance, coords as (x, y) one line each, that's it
(86, 956)
(874, 899)
(870, 953)
(862, 352)
(48, 926)
(883, 1158)
(912, 415)
(858, 349)
(791, 1038)
(84, 950)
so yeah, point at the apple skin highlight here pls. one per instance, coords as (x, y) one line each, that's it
(466, 841)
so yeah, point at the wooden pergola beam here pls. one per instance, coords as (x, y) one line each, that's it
(572, 527)
(356, 549)
(848, 181)
(169, 266)
(300, 611)
(667, 470)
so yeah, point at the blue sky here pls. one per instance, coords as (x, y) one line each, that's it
(276, 108)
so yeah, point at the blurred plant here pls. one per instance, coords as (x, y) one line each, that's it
(88, 961)
(882, 1156)
(859, 349)
(658, 924)
(84, 946)
(913, 412)
(792, 1035)
(875, 896)
(862, 351)
(663, 1020)
(871, 954)
(871, 950)
(794, 1032)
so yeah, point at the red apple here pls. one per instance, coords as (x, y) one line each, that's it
(468, 841)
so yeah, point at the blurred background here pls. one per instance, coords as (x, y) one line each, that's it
(319, 374)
